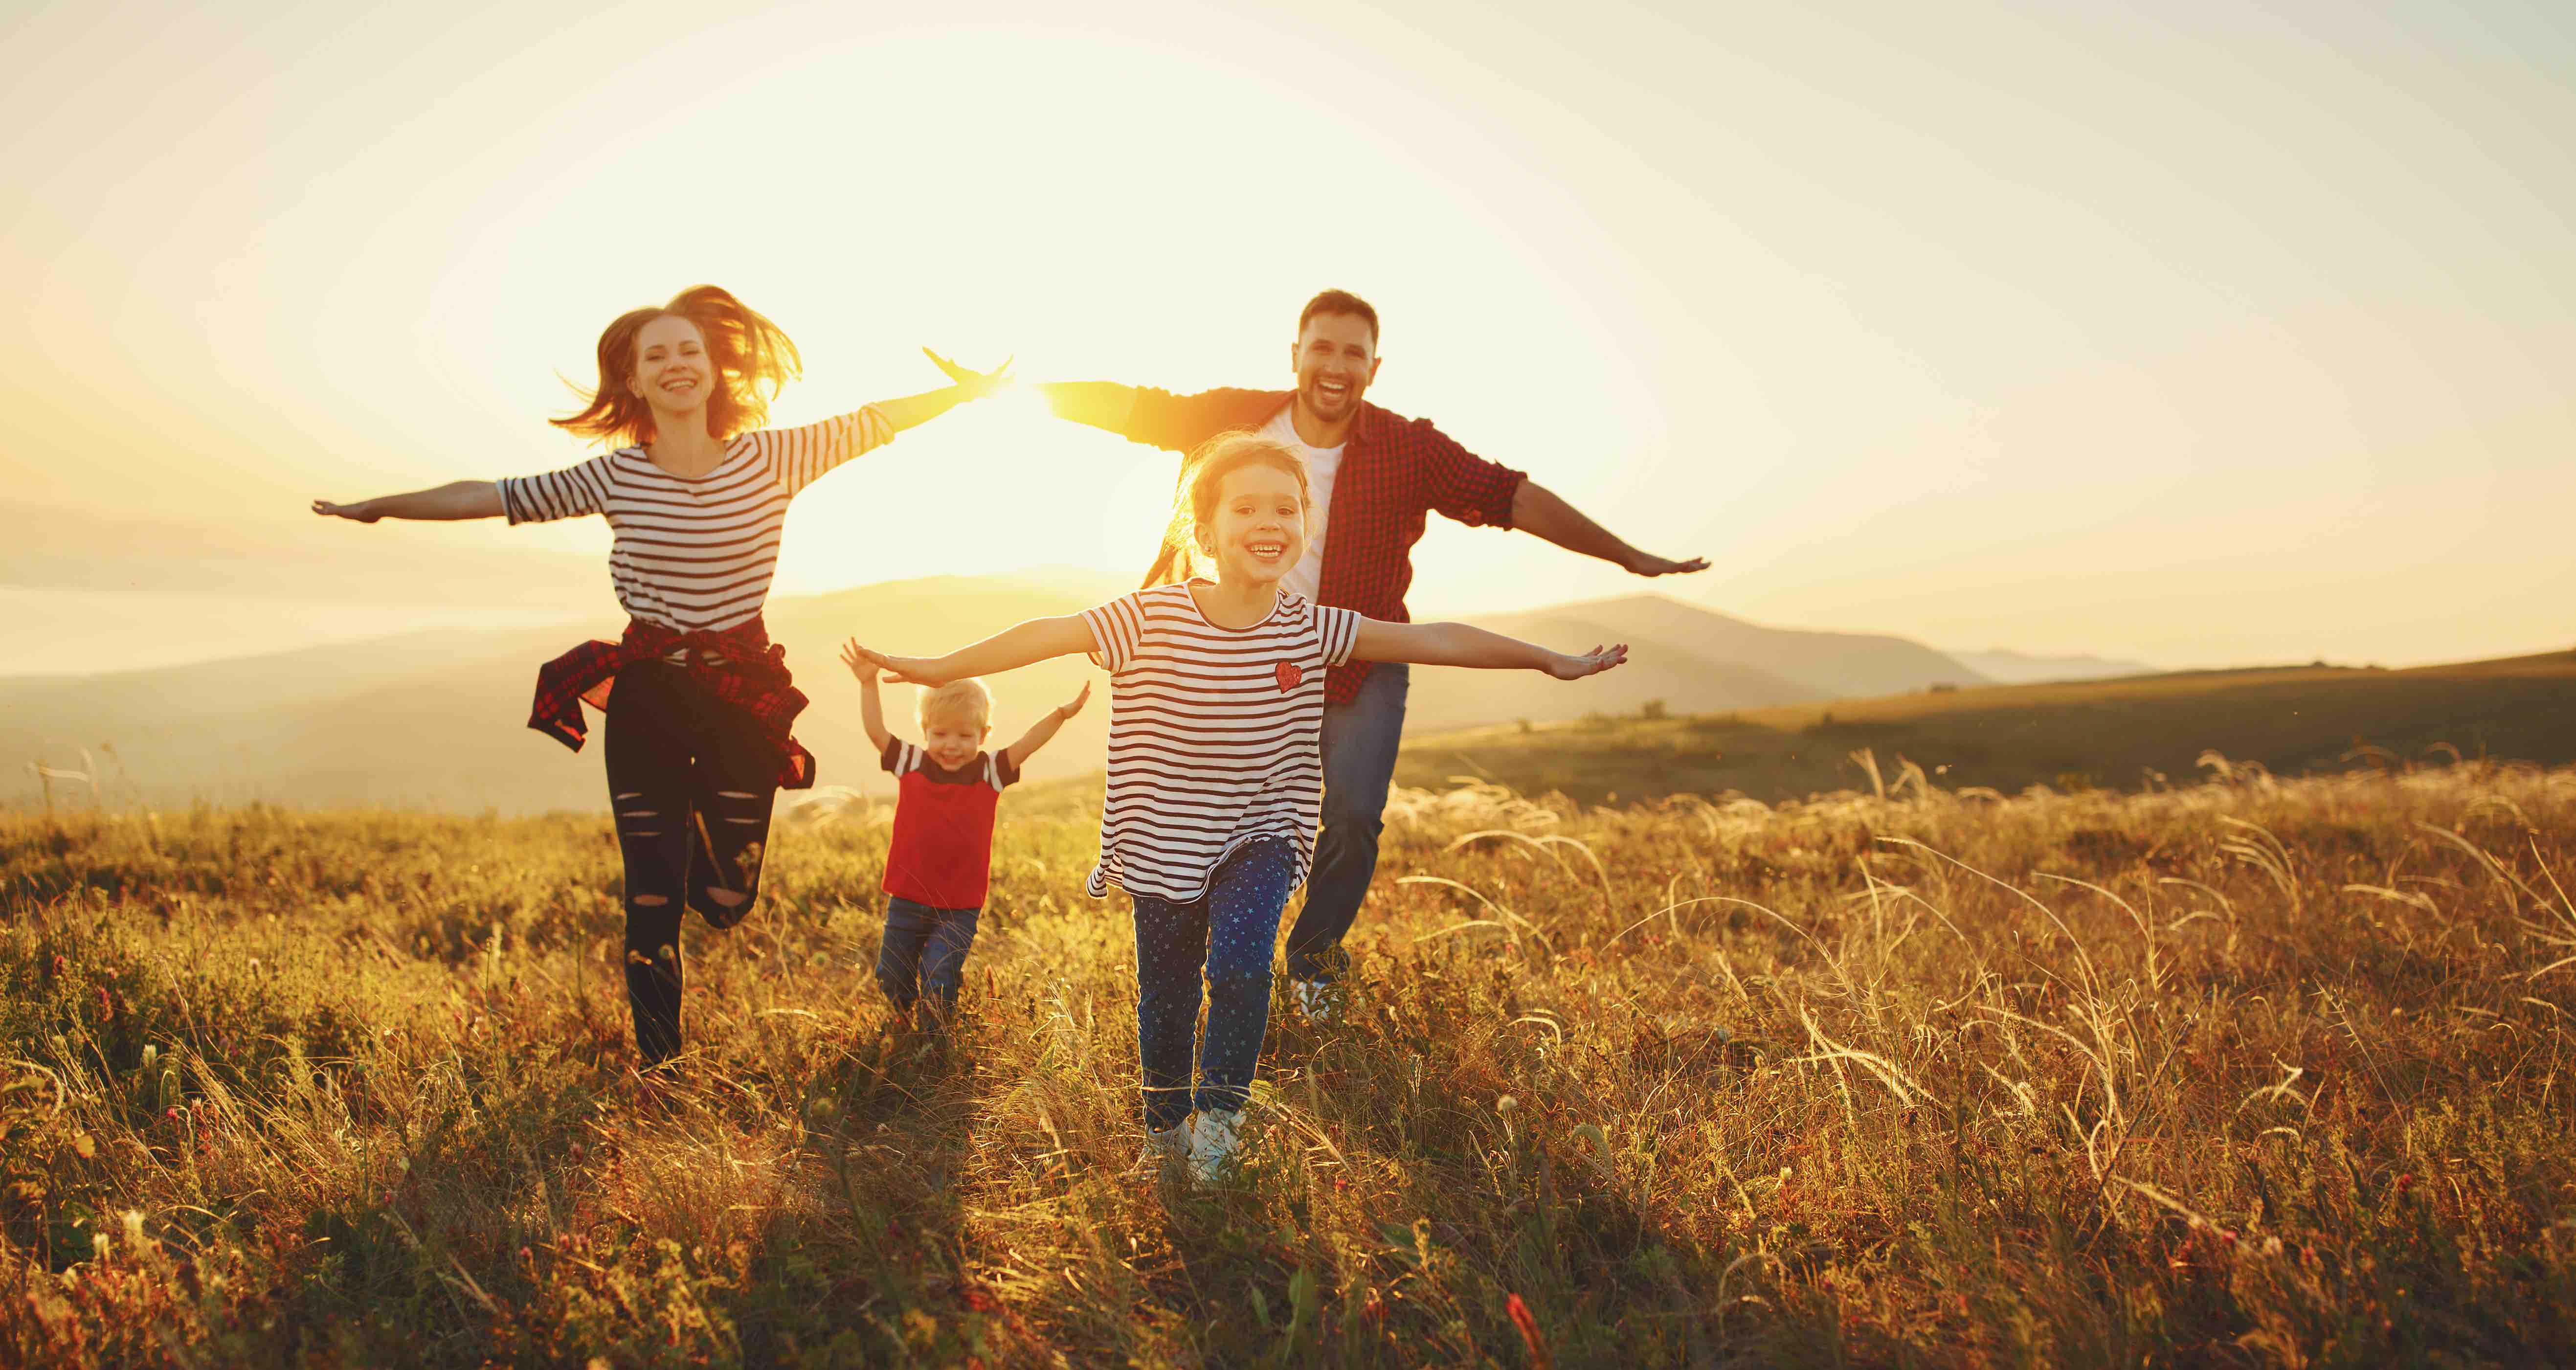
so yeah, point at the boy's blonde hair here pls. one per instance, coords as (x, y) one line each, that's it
(957, 698)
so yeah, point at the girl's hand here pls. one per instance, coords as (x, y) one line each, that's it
(1069, 710)
(976, 384)
(358, 511)
(852, 656)
(1593, 662)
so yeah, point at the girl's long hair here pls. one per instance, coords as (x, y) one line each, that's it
(749, 353)
(1194, 499)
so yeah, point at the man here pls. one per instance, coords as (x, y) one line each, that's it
(1375, 477)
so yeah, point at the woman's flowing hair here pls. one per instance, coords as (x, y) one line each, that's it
(749, 353)
(1194, 498)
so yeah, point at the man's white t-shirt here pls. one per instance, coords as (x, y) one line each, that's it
(1321, 463)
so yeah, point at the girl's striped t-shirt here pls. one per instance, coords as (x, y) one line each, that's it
(697, 554)
(1215, 735)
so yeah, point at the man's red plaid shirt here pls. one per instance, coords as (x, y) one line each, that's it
(738, 665)
(1395, 471)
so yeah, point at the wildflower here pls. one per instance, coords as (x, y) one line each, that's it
(1528, 1325)
(1506, 1104)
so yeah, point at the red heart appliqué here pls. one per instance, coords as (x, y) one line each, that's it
(1289, 675)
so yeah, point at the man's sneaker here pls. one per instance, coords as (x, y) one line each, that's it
(1313, 998)
(1165, 1149)
(1215, 1143)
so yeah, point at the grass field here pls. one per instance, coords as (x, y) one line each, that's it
(2242, 1073)
(2140, 733)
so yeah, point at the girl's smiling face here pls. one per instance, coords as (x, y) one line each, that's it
(1258, 529)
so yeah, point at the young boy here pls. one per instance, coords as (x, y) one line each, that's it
(941, 857)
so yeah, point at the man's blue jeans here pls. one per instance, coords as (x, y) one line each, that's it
(1360, 739)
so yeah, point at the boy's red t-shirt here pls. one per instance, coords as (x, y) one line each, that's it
(942, 850)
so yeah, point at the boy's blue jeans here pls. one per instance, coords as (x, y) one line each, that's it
(924, 954)
(1360, 740)
(1228, 933)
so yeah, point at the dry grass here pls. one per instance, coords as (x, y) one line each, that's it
(2243, 1073)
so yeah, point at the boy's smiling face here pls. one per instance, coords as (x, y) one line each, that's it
(1259, 530)
(953, 737)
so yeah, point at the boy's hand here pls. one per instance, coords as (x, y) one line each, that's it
(359, 511)
(1593, 662)
(907, 670)
(854, 656)
(1068, 710)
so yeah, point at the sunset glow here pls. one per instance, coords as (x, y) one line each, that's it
(2065, 337)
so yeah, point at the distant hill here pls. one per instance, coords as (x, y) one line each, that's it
(2005, 667)
(435, 719)
(2111, 733)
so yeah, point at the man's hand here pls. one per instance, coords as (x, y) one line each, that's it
(360, 511)
(976, 384)
(1647, 564)
(1593, 662)
(852, 656)
(1068, 710)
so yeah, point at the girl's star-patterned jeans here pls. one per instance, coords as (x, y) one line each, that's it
(1227, 934)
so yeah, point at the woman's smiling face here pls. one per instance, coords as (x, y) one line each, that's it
(673, 372)
(1258, 529)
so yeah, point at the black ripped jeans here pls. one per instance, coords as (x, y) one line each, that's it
(690, 780)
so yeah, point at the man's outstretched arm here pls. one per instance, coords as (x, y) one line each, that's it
(1101, 404)
(1538, 510)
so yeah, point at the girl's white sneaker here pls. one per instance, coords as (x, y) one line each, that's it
(1313, 999)
(1215, 1143)
(1165, 1149)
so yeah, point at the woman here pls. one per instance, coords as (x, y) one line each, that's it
(698, 700)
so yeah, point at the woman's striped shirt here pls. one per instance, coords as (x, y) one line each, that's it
(697, 554)
(1215, 735)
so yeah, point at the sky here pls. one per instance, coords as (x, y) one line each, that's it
(2197, 334)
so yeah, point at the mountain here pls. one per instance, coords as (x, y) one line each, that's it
(2134, 732)
(2006, 667)
(437, 719)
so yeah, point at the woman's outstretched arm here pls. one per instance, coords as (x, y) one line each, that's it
(463, 499)
(912, 411)
(1457, 644)
(1007, 650)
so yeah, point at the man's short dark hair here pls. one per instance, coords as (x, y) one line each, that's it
(1338, 302)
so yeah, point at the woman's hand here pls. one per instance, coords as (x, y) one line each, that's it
(1068, 710)
(976, 384)
(363, 511)
(906, 670)
(1593, 662)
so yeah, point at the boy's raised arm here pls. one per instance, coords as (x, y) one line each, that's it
(1043, 731)
(1458, 644)
(871, 703)
(1007, 650)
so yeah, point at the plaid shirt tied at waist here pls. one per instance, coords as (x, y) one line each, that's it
(1395, 472)
(738, 665)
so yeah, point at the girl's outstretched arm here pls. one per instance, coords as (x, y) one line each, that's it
(1457, 644)
(464, 499)
(1007, 650)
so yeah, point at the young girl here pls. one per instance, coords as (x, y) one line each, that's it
(698, 743)
(1215, 769)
